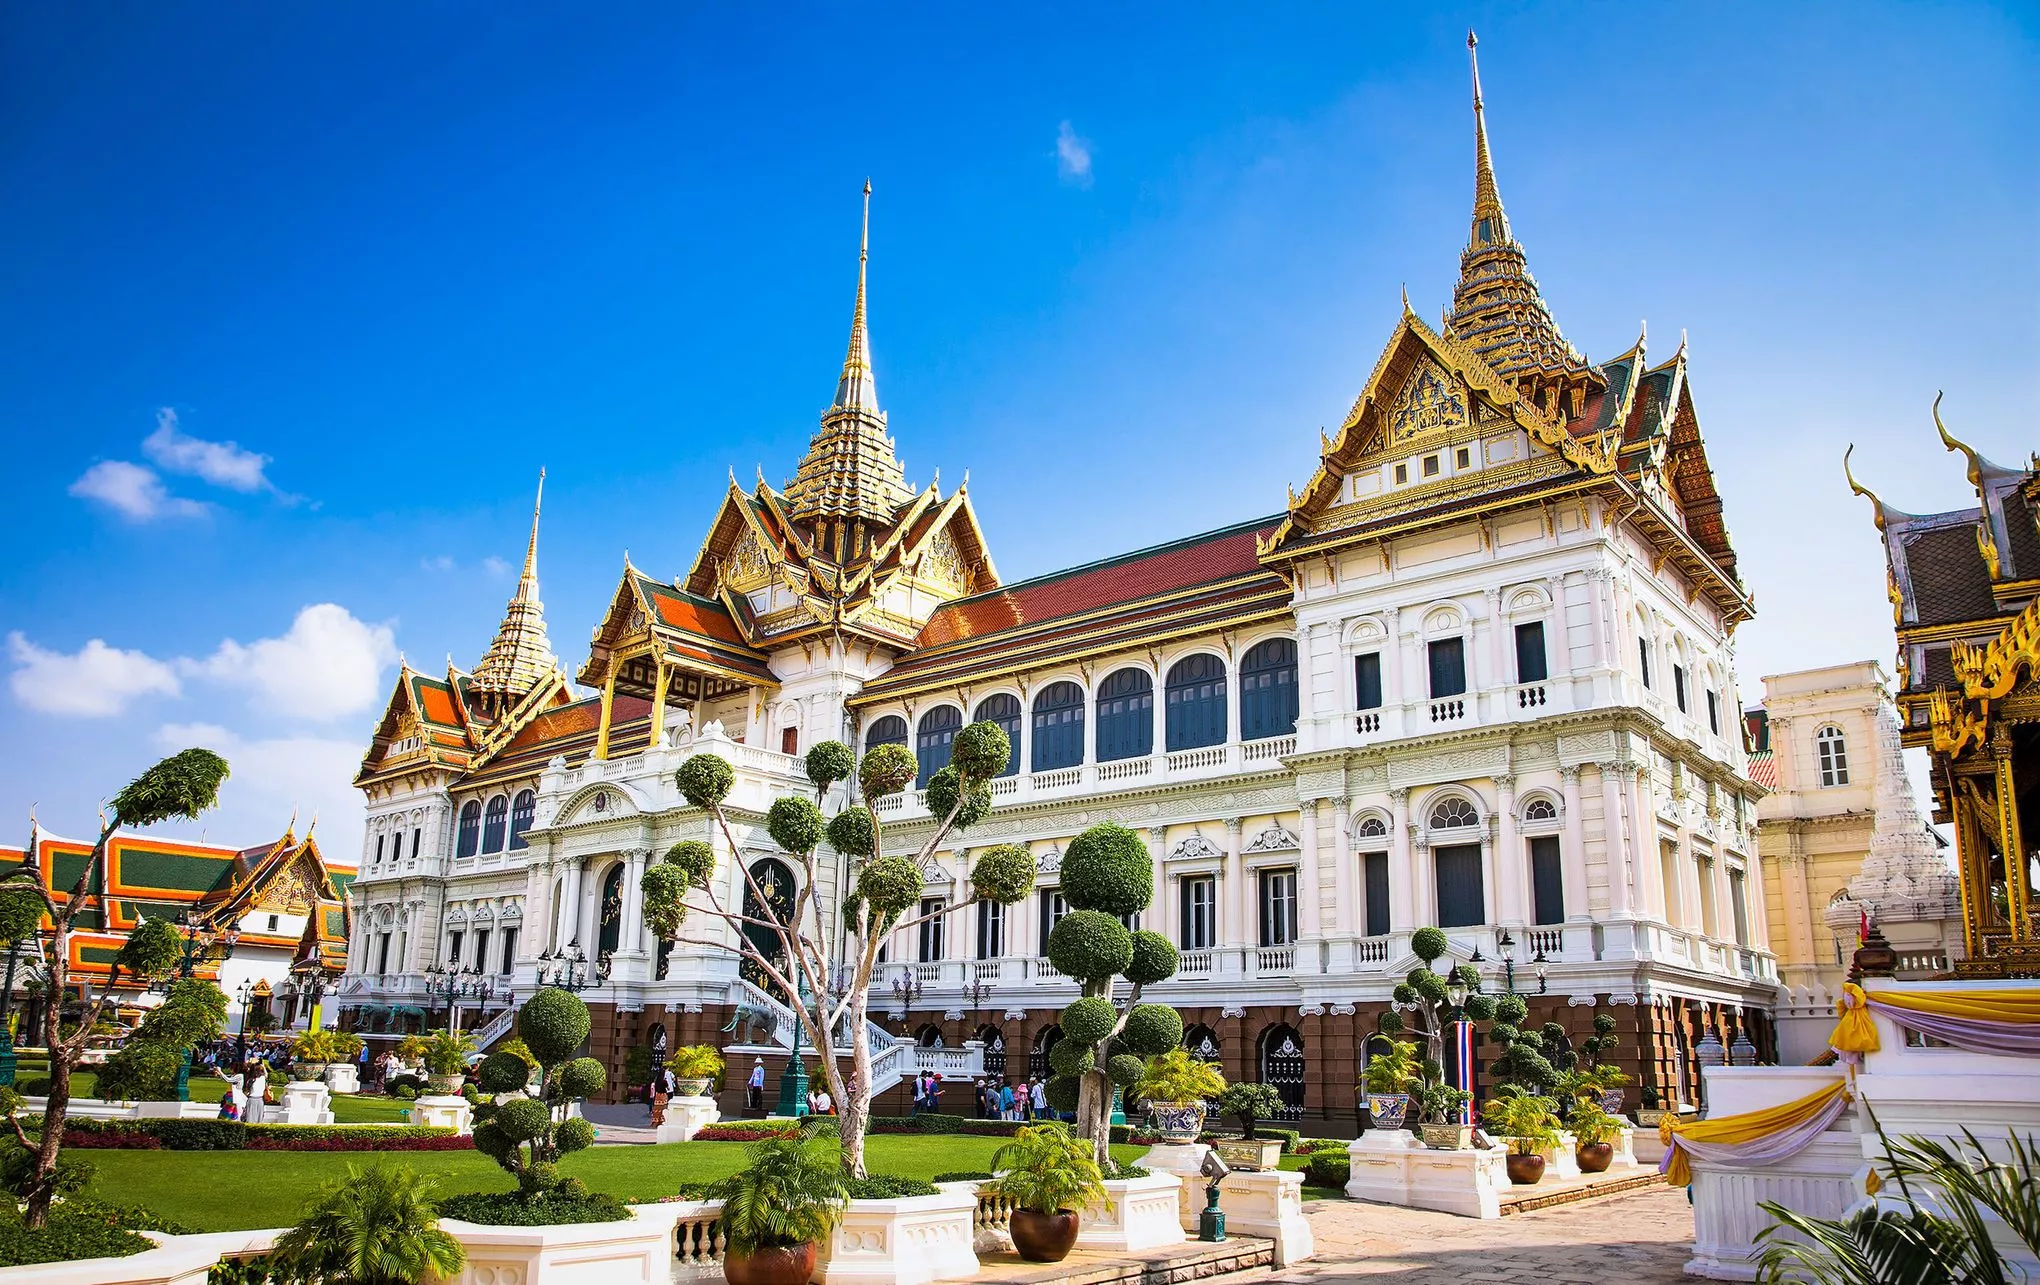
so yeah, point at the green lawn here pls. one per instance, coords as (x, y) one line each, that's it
(234, 1190)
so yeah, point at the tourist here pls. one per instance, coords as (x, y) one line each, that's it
(1026, 1100)
(756, 1086)
(230, 1099)
(823, 1104)
(255, 1080)
(1039, 1097)
(978, 1095)
(658, 1092)
(934, 1093)
(1006, 1100)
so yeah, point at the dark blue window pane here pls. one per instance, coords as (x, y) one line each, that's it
(1126, 716)
(522, 812)
(1448, 667)
(890, 730)
(470, 832)
(1268, 690)
(1003, 709)
(493, 823)
(1530, 659)
(931, 743)
(1547, 881)
(1196, 702)
(1460, 900)
(1367, 681)
(1058, 727)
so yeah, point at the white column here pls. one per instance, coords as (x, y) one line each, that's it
(1157, 916)
(631, 932)
(1232, 927)
(1402, 866)
(1573, 860)
(1309, 926)
(1511, 869)
(1345, 907)
(1026, 734)
(1498, 675)
(1616, 833)
(1643, 838)
(570, 908)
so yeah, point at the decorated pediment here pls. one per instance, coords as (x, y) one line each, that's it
(1196, 848)
(1431, 403)
(1276, 838)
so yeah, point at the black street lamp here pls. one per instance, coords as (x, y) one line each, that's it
(565, 969)
(245, 994)
(1505, 945)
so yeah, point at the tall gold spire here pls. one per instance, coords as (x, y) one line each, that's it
(521, 655)
(850, 470)
(1490, 224)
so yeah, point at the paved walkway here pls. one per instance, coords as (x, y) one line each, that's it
(1640, 1239)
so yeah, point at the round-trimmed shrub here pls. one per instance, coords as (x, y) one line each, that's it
(944, 790)
(1125, 1069)
(981, 750)
(1061, 1092)
(502, 1073)
(795, 823)
(1089, 1020)
(1108, 868)
(1088, 944)
(1392, 1023)
(829, 762)
(582, 1078)
(1429, 986)
(1404, 993)
(1604, 1023)
(492, 1142)
(1511, 1009)
(572, 1135)
(705, 780)
(695, 859)
(1152, 1030)
(890, 884)
(552, 1024)
(521, 1119)
(1480, 1008)
(1004, 874)
(1429, 943)
(853, 832)
(1071, 1058)
(886, 770)
(1154, 959)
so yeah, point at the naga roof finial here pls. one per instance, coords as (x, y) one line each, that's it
(1949, 440)
(1877, 506)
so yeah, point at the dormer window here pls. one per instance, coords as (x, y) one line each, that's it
(1431, 466)
(1462, 458)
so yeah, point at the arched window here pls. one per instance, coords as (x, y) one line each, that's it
(1202, 1043)
(1268, 690)
(470, 830)
(932, 740)
(1037, 1057)
(609, 921)
(1833, 753)
(1003, 709)
(1058, 727)
(1282, 1068)
(522, 811)
(929, 1037)
(890, 730)
(1373, 828)
(1453, 812)
(768, 897)
(994, 1041)
(1540, 810)
(493, 822)
(1195, 698)
(1126, 715)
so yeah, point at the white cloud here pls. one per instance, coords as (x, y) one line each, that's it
(133, 491)
(443, 562)
(329, 665)
(496, 567)
(275, 776)
(220, 463)
(1073, 156)
(98, 681)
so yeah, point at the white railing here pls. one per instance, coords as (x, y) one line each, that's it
(1531, 696)
(1203, 756)
(1448, 711)
(758, 1001)
(1194, 963)
(495, 1029)
(699, 1242)
(1004, 785)
(1273, 747)
(1372, 950)
(764, 760)
(1044, 971)
(1367, 723)
(1057, 779)
(1549, 941)
(928, 972)
(986, 970)
(1275, 961)
(889, 804)
(994, 1212)
(1125, 769)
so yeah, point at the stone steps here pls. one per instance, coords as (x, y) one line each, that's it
(1236, 1259)
(1545, 1195)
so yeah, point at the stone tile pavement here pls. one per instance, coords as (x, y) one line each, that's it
(1639, 1239)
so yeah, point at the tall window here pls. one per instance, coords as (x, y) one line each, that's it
(494, 822)
(932, 740)
(1367, 681)
(931, 930)
(1679, 687)
(1547, 881)
(1200, 912)
(1643, 658)
(522, 811)
(397, 839)
(991, 930)
(379, 841)
(1530, 660)
(1714, 712)
(1058, 727)
(1053, 908)
(509, 951)
(1374, 876)
(1448, 667)
(1738, 907)
(470, 832)
(1461, 902)
(890, 730)
(1126, 715)
(1195, 702)
(1268, 694)
(382, 954)
(481, 955)
(453, 947)
(1003, 709)
(417, 842)
(1833, 754)
(1278, 907)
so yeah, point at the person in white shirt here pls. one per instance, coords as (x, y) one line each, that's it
(824, 1105)
(1040, 1099)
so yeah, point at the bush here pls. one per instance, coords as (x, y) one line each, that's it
(990, 1128)
(1088, 1020)
(77, 1229)
(963, 1175)
(1089, 944)
(795, 823)
(890, 884)
(852, 832)
(705, 780)
(886, 770)
(1328, 1169)
(126, 1140)
(552, 1024)
(404, 1086)
(933, 1123)
(1107, 868)
(404, 1092)
(353, 1137)
(1152, 1030)
(829, 762)
(1155, 959)
(1290, 1137)
(981, 750)
(1428, 944)
(1004, 874)
(885, 1186)
(1116, 1171)
(511, 1209)
(35, 1086)
(946, 792)
(200, 1135)
(752, 1131)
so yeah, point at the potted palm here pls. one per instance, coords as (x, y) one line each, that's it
(445, 1057)
(695, 1066)
(1436, 1103)
(1175, 1087)
(316, 1050)
(779, 1209)
(1529, 1124)
(1652, 1113)
(1049, 1174)
(1250, 1104)
(376, 1226)
(1387, 1078)
(1594, 1132)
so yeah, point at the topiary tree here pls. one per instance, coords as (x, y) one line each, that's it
(881, 892)
(1107, 876)
(182, 785)
(145, 1069)
(528, 1135)
(1250, 1104)
(1427, 995)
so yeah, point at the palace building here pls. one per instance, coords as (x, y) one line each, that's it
(1478, 672)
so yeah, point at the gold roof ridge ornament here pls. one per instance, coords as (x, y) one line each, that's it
(521, 655)
(1490, 221)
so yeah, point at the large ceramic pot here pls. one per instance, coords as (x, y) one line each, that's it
(779, 1266)
(1447, 1137)
(1611, 1101)
(1388, 1109)
(1178, 1122)
(448, 1085)
(1595, 1157)
(1525, 1170)
(308, 1071)
(1038, 1238)
(691, 1088)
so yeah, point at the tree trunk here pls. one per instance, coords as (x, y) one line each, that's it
(857, 1102)
(42, 1189)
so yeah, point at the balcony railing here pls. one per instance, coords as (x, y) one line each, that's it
(1125, 769)
(1273, 747)
(1194, 963)
(1275, 961)
(1373, 950)
(1449, 711)
(1187, 760)
(1549, 942)
(1531, 696)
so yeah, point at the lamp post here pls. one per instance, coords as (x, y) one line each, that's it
(565, 969)
(975, 993)
(793, 1080)
(906, 988)
(7, 1031)
(246, 995)
(1505, 945)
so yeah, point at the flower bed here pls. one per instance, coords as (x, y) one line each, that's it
(229, 1135)
(747, 1131)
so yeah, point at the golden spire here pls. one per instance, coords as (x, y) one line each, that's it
(856, 389)
(1490, 224)
(520, 656)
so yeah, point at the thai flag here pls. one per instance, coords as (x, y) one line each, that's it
(1462, 1034)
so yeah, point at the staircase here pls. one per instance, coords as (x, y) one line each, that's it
(494, 1029)
(892, 1058)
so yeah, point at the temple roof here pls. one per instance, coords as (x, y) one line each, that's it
(520, 657)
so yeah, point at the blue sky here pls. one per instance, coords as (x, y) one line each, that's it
(1125, 262)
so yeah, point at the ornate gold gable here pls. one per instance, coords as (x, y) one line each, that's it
(1430, 404)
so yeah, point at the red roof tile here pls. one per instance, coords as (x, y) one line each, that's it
(696, 615)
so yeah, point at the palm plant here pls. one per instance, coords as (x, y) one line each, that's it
(791, 1194)
(1393, 1069)
(1528, 1121)
(1048, 1170)
(1176, 1076)
(1947, 1238)
(1589, 1123)
(376, 1226)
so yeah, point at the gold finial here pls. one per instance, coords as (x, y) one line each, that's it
(527, 584)
(1876, 505)
(1490, 224)
(1950, 441)
(1406, 300)
(856, 390)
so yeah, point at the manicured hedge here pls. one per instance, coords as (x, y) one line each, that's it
(747, 1131)
(1328, 1169)
(79, 1228)
(232, 1135)
(511, 1209)
(886, 1186)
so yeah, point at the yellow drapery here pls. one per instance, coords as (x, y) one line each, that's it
(1856, 1033)
(1747, 1127)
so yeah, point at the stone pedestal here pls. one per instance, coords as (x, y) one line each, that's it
(171, 1110)
(1398, 1169)
(910, 1241)
(308, 1102)
(343, 1077)
(444, 1112)
(1269, 1203)
(686, 1117)
(1186, 1161)
(1136, 1214)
